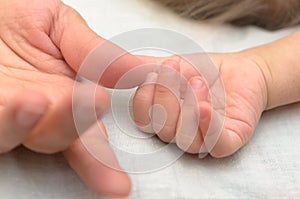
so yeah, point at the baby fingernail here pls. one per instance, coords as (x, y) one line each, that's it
(170, 66)
(170, 63)
(151, 78)
(29, 114)
(202, 155)
(196, 83)
(203, 117)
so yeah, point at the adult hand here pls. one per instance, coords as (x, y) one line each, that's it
(42, 45)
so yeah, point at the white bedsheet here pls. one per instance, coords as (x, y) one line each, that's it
(267, 167)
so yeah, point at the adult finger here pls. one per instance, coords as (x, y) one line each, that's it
(89, 54)
(59, 127)
(18, 118)
(93, 160)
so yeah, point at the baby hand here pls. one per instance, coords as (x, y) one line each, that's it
(181, 105)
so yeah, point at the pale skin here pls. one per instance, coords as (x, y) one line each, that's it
(255, 80)
(43, 44)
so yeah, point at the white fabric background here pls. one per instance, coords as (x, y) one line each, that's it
(267, 167)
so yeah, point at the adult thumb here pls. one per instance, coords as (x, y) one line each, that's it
(90, 55)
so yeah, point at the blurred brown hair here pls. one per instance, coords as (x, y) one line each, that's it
(269, 14)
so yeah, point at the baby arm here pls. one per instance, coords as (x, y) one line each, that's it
(280, 64)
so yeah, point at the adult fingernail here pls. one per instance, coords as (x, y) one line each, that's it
(29, 114)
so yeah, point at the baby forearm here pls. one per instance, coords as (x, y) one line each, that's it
(280, 64)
